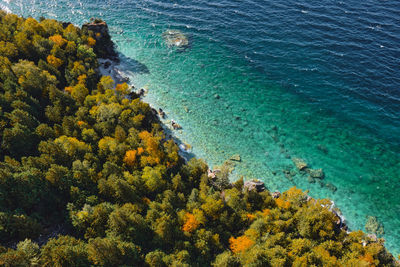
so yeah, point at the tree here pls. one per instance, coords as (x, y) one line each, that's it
(114, 252)
(64, 251)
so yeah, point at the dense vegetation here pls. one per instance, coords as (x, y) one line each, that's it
(87, 176)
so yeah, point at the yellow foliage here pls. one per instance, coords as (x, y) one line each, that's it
(82, 79)
(253, 234)
(130, 157)
(137, 120)
(71, 145)
(98, 35)
(213, 207)
(293, 195)
(82, 215)
(191, 223)
(240, 244)
(106, 83)
(79, 92)
(108, 144)
(57, 39)
(325, 256)
(91, 41)
(54, 61)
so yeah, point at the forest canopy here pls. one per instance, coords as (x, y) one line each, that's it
(89, 178)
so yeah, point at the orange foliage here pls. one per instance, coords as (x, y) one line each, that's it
(68, 89)
(240, 244)
(80, 123)
(54, 61)
(98, 35)
(152, 149)
(266, 212)
(130, 157)
(146, 200)
(282, 203)
(251, 217)
(191, 223)
(140, 151)
(368, 258)
(91, 41)
(122, 87)
(57, 39)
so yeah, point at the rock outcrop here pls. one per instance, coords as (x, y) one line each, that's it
(104, 47)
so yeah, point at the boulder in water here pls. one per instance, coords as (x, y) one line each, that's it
(373, 226)
(175, 38)
(300, 163)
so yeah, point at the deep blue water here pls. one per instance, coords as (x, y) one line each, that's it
(318, 80)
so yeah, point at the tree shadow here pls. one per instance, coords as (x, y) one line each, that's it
(132, 65)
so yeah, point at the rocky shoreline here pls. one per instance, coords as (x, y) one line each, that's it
(108, 66)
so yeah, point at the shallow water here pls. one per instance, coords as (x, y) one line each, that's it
(270, 80)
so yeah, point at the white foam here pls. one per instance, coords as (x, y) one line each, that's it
(6, 9)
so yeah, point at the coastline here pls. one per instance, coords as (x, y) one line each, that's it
(108, 168)
(111, 66)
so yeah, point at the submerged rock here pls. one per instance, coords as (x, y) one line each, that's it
(331, 187)
(236, 158)
(310, 179)
(175, 38)
(254, 185)
(288, 174)
(316, 173)
(373, 226)
(300, 163)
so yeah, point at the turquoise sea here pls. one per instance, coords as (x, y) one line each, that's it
(271, 80)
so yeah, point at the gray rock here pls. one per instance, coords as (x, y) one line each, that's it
(254, 185)
(276, 194)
